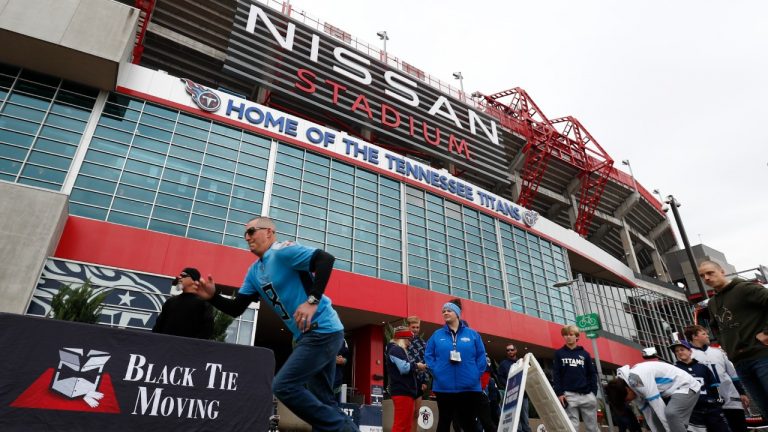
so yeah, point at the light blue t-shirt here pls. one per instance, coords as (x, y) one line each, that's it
(281, 278)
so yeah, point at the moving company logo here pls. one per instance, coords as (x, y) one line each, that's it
(203, 97)
(78, 384)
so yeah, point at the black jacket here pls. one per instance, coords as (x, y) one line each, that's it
(185, 315)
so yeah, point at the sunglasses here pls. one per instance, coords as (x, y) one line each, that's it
(182, 275)
(252, 230)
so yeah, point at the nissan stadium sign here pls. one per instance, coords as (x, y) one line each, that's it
(321, 77)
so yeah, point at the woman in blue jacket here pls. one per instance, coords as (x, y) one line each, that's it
(456, 357)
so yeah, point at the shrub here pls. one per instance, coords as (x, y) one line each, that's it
(81, 304)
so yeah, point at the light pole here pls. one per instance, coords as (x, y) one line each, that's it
(674, 204)
(460, 77)
(383, 36)
(661, 199)
(582, 288)
(631, 174)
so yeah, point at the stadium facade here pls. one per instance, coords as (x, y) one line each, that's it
(136, 138)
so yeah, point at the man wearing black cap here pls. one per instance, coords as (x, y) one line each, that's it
(186, 314)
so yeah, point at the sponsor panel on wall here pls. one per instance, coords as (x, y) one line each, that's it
(134, 301)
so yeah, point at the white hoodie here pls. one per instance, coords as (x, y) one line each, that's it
(652, 381)
(716, 359)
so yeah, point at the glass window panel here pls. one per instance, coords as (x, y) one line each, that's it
(285, 203)
(312, 222)
(19, 125)
(213, 197)
(160, 111)
(87, 211)
(113, 134)
(26, 113)
(167, 227)
(160, 134)
(251, 182)
(194, 121)
(226, 130)
(143, 168)
(215, 186)
(130, 206)
(283, 215)
(256, 139)
(201, 234)
(182, 184)
(149, 182)
(207, 222)
(186, 154)
(314, 211)
(158, 122)
(222, 152)
(99, 171)
(104, 159)
(71, 111)
(127, 219)
(43, 173)
(9, 167)
(286, 170)
(314, 200)
(192, 143)
(259, 161)
(150, 144)
(99, 185)
(223, 175)
(172, 215)
(210, 210)
(65, 122)
(318, 181)
(15, 138)
(146, 156)
(30, 100)
(13, 152)
(135, 193)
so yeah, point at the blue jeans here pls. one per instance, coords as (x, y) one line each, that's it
(305, 382)
(523, 425)
(754, 375)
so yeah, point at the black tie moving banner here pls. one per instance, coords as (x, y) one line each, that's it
(57, 375)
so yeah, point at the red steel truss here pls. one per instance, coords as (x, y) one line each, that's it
(145, 8)
(564, 138)
(596, 167)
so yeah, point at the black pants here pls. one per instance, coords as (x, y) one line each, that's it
(711, 418)
(736, 419)
(463, 406)
(485, 415)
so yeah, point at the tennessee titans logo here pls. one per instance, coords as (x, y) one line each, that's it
(203, 97)
(530, 217)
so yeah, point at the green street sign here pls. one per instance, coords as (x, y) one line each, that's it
(589, 323)
(592, 335)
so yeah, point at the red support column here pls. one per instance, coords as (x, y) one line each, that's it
(369, 357)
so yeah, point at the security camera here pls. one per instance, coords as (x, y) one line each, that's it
(382, 35)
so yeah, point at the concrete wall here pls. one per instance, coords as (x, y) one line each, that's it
(31, 223)
(80, 40)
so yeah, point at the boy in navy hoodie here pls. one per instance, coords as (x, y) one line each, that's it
(708, 414)
(575, 380)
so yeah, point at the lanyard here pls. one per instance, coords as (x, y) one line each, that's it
(454, 336)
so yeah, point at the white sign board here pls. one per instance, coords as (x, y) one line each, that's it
(526, 376)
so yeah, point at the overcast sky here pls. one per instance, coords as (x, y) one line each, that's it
(677, 87)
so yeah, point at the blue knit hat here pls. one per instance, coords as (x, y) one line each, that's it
(452, 307)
